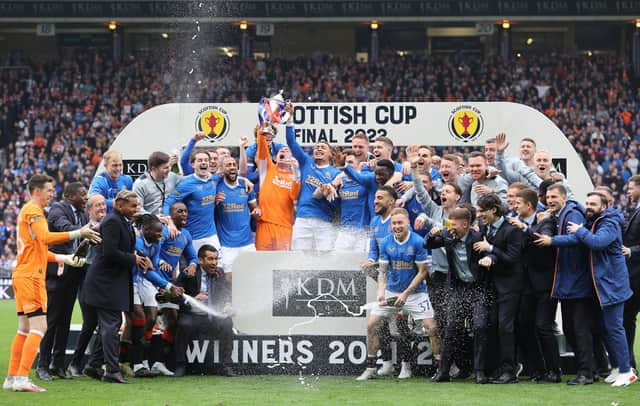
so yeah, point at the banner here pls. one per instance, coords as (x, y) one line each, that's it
(6, 289)
(469, 124)
(209, 10)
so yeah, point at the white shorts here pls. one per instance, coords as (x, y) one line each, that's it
(351, 239)
(310, 233)
(211, 240)
(228, 256)
(418, 306)
(144, 293)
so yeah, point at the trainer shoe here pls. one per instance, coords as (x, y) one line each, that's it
(615, 373)
(405, 371)
(8, 383)
(625, 379)
(369, 373)
(24, 384)
(386, 369)
(161, 368)
(140, 371)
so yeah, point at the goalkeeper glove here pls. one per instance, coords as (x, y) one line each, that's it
(71, 260)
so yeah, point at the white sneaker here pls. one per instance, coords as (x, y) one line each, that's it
(386, 369)
(625, 379)
(25, 385)
(615, 373)
(405, 371)
(368, 373)
(161, 368)
(146, 364)
(8, 383)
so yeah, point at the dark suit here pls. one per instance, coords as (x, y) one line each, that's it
(631, 240)
(537, 307)
(61, 290)
(192, 324)
(465, 300)
(507, 277)
(108, 287)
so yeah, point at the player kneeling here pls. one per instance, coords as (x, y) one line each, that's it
(401, 284)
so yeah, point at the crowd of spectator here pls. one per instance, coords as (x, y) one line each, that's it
(60, 117)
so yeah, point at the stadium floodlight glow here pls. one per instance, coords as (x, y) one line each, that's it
(374, 25)
(638, 23)
(164, 35)
(113, 25)
(243, 25)
(506, 24)
(529, 41)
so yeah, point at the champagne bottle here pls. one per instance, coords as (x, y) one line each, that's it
(391, 301)
(83, 249)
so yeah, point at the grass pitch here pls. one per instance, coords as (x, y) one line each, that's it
(288, 390)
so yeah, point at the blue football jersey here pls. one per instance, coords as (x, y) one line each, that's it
(402, 257)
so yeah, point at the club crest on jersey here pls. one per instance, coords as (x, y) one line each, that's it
(410, 251)
(214, 122)
(465, 123)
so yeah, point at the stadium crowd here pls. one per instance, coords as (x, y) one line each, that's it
(470, 215)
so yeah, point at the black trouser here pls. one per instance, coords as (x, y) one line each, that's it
(191, 326)
(505, 312)
(577, 323)
(465, 302)
(631, 309)
(60, 301)
(105, 349)
(88, 327)
(438, 296)
(535, 332)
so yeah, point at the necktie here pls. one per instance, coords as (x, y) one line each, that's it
(491, 231)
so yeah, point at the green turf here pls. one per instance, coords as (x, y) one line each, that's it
(287, 390)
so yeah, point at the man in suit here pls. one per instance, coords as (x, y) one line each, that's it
(206, 284)
(467, 294)
(97, 209)
(502, 247)
(537, 307)
(108, 285)
(631, 250)
(62, 282)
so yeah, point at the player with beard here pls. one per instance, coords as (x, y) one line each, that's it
(279, 189)
(482, 184)
(198, 192)
(402, 273)
(312, 228)
(234, 208)
(602, 235)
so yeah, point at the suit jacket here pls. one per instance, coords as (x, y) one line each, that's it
(62, 218)
(506, 270)
(109, 280)
(444, 239)
(539, 261)
(218, 290)
(631, 239)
